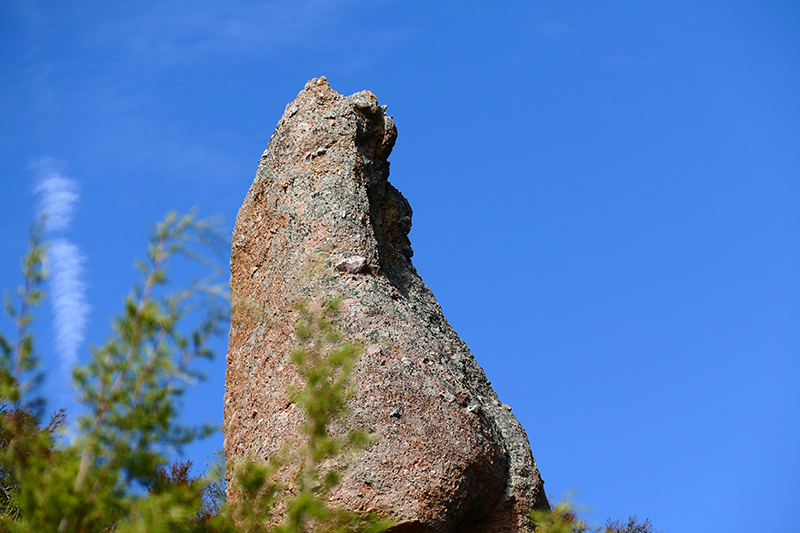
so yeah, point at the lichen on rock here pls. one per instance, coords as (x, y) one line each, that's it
(320, 220)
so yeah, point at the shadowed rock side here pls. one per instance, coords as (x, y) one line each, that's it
(321, 219)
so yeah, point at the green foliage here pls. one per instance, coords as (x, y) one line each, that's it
(112, 476)
(633, 525)
(20, 375)
(563, 518)
(22, 438)
(179, 476)
(324, 362)
(132, 383)
(130, 387)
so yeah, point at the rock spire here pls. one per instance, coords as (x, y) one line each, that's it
(321, 219)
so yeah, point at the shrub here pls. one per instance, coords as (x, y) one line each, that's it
(563, 518)
(113, 475)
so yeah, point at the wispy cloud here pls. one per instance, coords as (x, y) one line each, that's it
(59, 196)
(68, 293)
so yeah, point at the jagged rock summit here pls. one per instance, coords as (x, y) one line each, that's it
(321, 219)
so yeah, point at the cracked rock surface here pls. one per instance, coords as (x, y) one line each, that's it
(321, 220)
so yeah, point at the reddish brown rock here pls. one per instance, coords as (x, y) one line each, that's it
(321, 219)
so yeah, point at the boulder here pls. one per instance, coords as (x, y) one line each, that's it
(321, 219)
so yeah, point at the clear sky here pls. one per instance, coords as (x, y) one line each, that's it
(606, 198)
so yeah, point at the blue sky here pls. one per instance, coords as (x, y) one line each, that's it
(606, 204)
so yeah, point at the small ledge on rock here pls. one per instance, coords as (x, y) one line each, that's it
(354, 265)
(315, 153)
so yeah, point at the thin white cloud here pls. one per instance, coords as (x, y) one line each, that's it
(68, 299)
(59, 196)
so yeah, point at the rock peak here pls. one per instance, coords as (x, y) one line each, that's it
(321, 219)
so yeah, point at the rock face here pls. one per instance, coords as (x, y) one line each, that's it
(321, 219)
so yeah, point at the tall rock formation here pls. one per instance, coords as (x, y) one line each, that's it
(321, 219)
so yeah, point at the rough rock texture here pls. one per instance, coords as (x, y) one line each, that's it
(322, 219)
